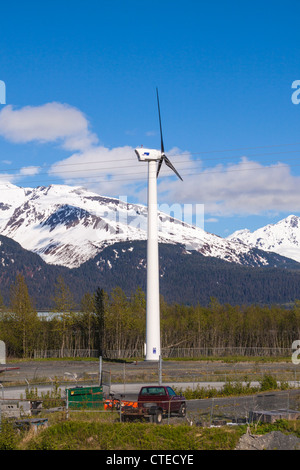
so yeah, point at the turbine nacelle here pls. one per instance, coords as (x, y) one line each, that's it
(146, 155)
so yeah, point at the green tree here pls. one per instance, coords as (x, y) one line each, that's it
(137, 319)
(23, 317)
(2, 306)
(117, 320)
(99, 304)
(64, 306)
(88, 318)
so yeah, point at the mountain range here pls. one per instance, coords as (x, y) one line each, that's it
(94, 240)
(282, 238)
(68, 226)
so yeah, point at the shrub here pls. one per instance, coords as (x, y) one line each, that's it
(8, 436)
(268, 382)
(50, 399)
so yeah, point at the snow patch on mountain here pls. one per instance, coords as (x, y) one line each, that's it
(282, 238)
(69, 225)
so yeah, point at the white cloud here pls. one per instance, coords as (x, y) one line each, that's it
(247, 187)
(151, 133)
(15, 177)
(101, 169)
(29, 171)
(6, 178)
(50, 122)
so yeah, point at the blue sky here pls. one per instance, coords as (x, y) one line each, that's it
(80, 96)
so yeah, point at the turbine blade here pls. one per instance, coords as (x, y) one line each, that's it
(161, 135)
(159, 166)
(169, 164)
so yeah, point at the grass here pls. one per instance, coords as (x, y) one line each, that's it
(98, 431)
(232, 359)
(287, 427)
(52, 359)
(92, 433)
(226, 359)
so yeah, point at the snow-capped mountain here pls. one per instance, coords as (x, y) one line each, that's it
(69, 225)
(282, 238)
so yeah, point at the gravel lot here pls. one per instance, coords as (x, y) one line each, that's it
(172, 371)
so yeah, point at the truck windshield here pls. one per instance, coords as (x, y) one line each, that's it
(171, 391)
(153, 391)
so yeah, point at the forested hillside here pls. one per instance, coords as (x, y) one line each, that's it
(185, 277)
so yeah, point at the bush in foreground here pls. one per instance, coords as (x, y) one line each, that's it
(78, 435)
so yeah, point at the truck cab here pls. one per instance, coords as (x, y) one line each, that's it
(163, 397)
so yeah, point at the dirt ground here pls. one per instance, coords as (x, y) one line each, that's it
(50, 369)
(172, 371)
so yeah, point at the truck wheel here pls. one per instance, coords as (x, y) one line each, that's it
(182, 410)
(158, 417)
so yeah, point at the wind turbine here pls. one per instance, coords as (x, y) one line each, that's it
(154, 158)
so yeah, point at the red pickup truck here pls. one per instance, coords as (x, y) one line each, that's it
(156, 402)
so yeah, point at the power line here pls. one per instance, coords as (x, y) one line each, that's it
(174, 155)
(100, 169)
(204, 171)
(127, 181)
(111, 178)
(112, 168)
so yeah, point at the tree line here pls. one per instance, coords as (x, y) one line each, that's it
(115, 321)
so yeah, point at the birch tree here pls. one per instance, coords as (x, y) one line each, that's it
(64, 305)
(23, 317)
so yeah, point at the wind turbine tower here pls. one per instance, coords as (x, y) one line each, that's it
(154, 158)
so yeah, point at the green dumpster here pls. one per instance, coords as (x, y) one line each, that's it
(85, 397)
